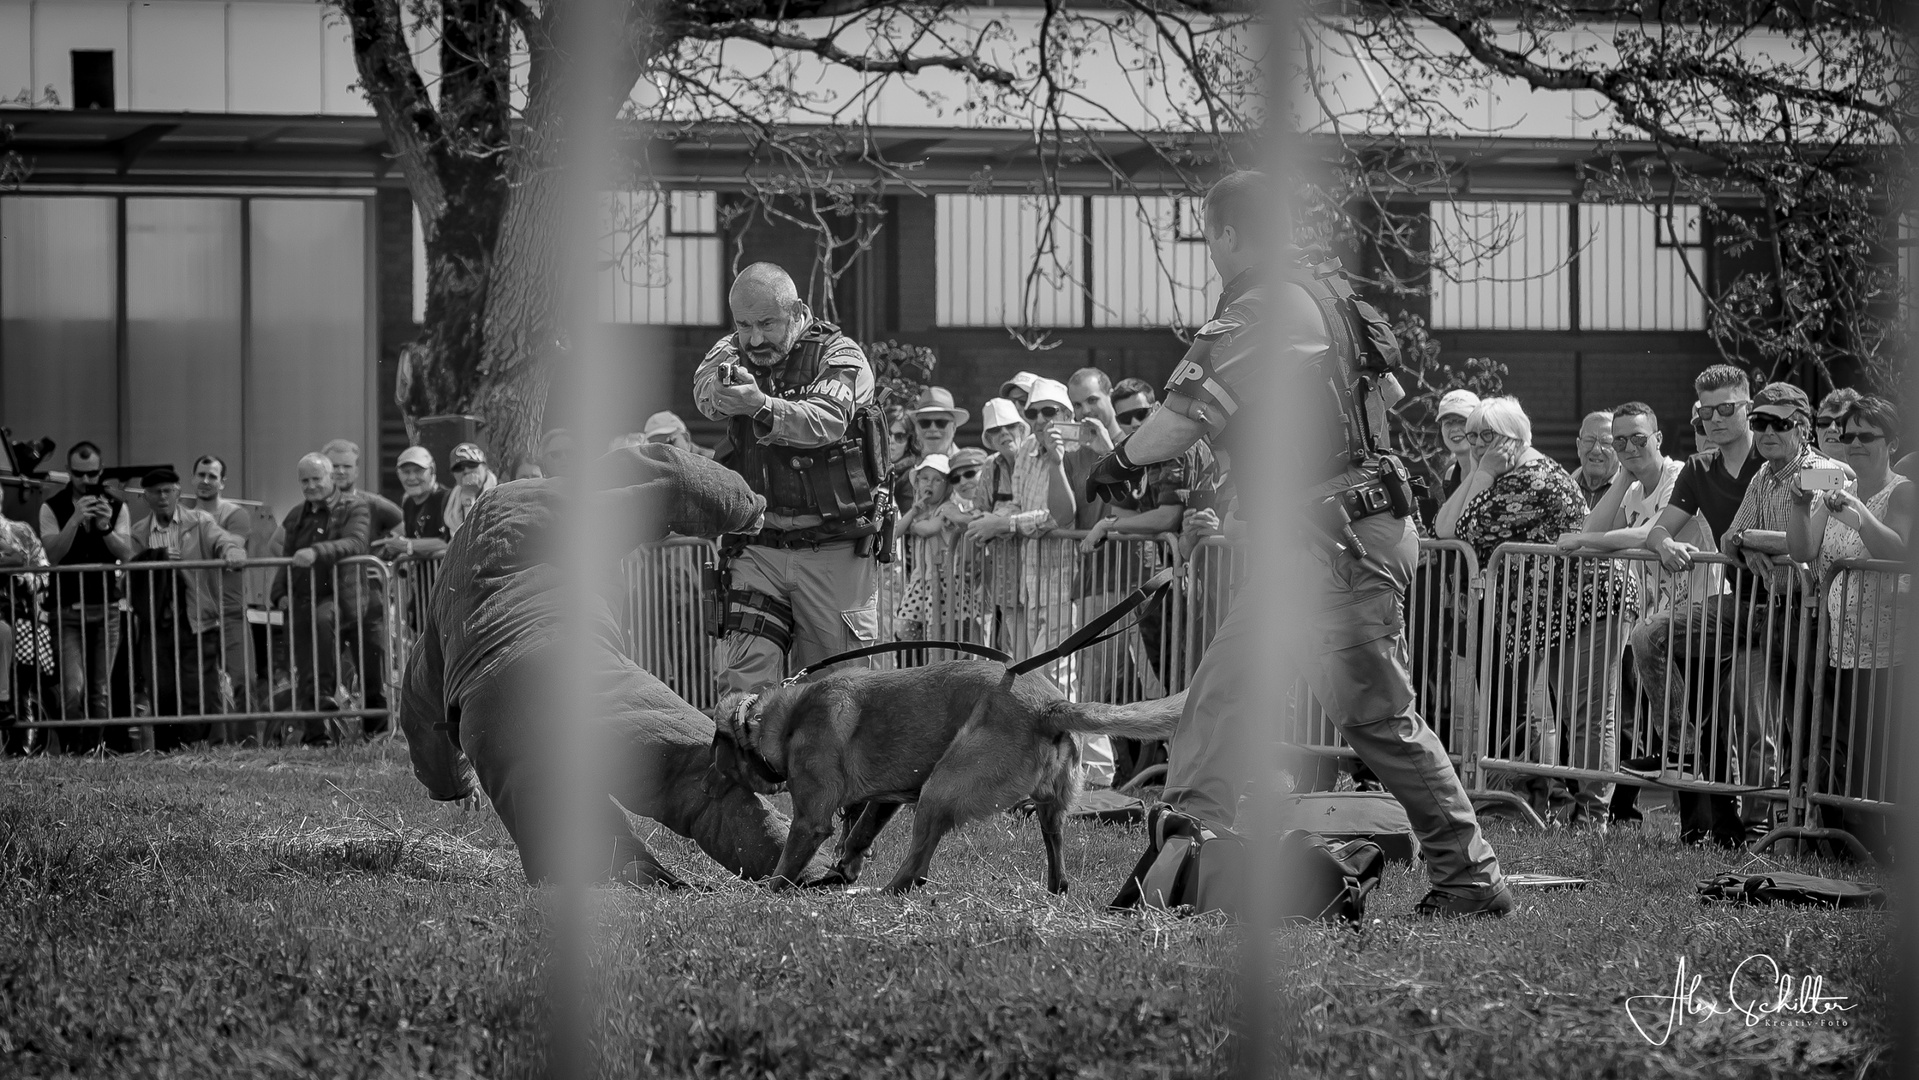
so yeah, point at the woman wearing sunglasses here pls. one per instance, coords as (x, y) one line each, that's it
(1561, 634)
(1862, 608)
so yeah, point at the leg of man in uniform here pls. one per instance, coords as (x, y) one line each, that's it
(1363, 681)
(835, 598)
(746, 662)
(1361, 678)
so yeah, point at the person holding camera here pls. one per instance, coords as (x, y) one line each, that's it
(82, 525)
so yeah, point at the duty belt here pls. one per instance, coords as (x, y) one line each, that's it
(815, 537)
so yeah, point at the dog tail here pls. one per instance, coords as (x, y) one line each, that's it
(1154, 719)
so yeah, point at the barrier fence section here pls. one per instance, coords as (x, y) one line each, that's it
(1544, 675)
(1714, 682)
(666, 616)
(1848, 744)
(88, 651)
(1442, 626)
(1025, 594)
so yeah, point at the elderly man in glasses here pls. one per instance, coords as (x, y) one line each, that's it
(1598, 465)
(938, 421)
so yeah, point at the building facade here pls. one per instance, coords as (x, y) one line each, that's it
(211, 253)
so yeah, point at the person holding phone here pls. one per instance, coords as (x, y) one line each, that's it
(1870, 521)
(83, 525)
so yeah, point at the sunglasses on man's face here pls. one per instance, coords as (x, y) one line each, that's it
(1866, 437)
(1620, 442)
(1724, 408)
(466, 466)
(1768, 422)
(935, 422)
(1042, 412)
(1134, 416)
(83, 474)
(964, 475)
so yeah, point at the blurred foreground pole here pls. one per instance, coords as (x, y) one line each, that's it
(1906, 738)
(1283, 578)
(588, 34)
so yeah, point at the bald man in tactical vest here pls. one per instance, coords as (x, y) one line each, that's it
(797, 396)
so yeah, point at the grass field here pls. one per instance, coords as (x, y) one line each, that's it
(298, 913)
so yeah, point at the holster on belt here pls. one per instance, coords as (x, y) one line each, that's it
(716, 588)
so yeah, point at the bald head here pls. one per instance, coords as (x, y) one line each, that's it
(768, 315)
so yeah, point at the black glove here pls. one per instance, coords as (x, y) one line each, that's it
(1114, 477)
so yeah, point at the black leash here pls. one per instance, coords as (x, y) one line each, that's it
(884, 647)
(1085, 637)
(1093, 632)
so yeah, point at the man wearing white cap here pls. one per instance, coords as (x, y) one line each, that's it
(667, 427)
(423, 528)
(938, 421)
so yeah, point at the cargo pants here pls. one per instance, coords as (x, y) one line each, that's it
(1360, 675)
(834, 594)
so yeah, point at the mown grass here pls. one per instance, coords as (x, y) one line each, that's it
(297, 913)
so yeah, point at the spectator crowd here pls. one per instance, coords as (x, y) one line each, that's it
(1786, 492)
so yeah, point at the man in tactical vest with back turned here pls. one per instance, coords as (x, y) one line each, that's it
(1360, 530)
(797, 396)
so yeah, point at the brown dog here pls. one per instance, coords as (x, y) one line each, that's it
(963, 739)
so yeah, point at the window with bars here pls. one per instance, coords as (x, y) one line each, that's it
(663, 259)
(1513, 266)
(1098, 261)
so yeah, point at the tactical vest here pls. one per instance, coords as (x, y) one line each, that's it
(89, 546)
(836, 482)
(1364, 351)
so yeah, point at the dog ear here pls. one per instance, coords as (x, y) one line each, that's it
(725, 766)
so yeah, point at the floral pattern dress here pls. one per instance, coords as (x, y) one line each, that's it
(942, 591)
(1546, 597)
(1867, 611)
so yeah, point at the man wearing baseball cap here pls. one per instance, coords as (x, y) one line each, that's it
(177, 666)
(667, 427)
(938, 420)
(423, 528)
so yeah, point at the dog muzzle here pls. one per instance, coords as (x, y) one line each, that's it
(736, 756)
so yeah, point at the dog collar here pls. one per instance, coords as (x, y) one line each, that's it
(740, 722)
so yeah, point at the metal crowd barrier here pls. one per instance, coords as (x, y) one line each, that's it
(1776, 689)
(1442, 627)
(665, 618)
(1026, 594)
(1845, 742)
(1720, 662)
(172, 645)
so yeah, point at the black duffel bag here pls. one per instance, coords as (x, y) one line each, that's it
(1193, 868)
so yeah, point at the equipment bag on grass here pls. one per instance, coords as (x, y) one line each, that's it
(1785, 888)
(1189, 865)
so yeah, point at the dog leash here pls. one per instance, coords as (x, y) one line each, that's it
(1085, 637)
(1094, 632)
(884, 647)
